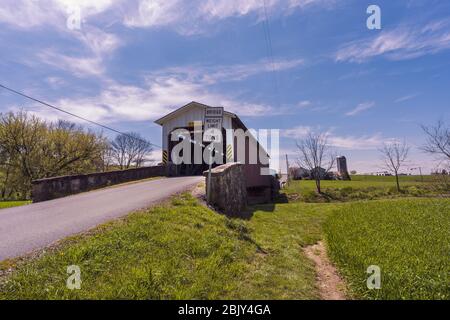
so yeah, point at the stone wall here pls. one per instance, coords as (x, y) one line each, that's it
(52, 188)
(228, 188)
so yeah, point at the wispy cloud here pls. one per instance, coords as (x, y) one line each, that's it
(356, 74)
(96, 44)
(161, 91)
(304, 104)
(298, 132)
(98, 47)
(144, 103)
(406, 98)
(26, 14)
(203, 14)
(185, 17)
(360, 108)
(366, 142)
(78, 66)
(404, 42)
(349, 142)
(208, 75)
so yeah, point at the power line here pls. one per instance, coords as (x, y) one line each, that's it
(74, 115)
(269, 47)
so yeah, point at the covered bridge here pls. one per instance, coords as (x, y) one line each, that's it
(192, 115)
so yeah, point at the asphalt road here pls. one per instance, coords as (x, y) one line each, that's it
(27, 228)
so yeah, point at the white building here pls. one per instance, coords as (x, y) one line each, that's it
(191, 115)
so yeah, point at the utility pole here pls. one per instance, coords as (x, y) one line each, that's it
(287, 169)
(208, 187)
(420, 171)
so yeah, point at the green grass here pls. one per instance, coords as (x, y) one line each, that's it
(181, 250)
(178, 251)
(409, 239)
(9, 204)
(283, 272)
(363, 188)
(391, 179)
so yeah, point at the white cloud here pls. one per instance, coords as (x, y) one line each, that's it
(208, 75)
(151, 13)
(186, 17)
(304, 104)
(100, 43)
(97, 44)
(88, 7)
(404, 42)
(78, 66)
(356, 143)
(365, 142)
(27, 14)
(406, 98)
(55, 82)
(197, 16)
(149, 102)
(161, 92)
(222, 9)
(360, 108)
(298, 132)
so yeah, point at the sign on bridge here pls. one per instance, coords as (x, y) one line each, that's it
(213, 124)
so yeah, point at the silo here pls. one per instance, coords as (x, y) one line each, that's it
(342, 168)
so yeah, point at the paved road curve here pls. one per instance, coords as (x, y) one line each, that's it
(24, 229)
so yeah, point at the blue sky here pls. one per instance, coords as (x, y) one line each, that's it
(134, 61)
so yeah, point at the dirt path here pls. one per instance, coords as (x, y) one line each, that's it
(331, 285)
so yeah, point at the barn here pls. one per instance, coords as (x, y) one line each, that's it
(192, 115)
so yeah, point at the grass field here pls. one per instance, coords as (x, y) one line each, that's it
(9, 204)
(364, 188)
(182, 250)
(408, 239)
(391, 179)
(179, 251)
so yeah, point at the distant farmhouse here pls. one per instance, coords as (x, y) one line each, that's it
(299, 173)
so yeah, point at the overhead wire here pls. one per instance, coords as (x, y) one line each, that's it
(75, 115)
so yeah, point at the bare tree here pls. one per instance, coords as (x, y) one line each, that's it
(394, 156)
(438, 140)
(316, 156)
(130, 148)
(438, 145)
(107, 156)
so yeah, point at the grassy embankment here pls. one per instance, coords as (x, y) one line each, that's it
(9, 204)
(184, 250)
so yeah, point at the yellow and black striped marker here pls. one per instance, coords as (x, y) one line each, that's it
(229, 153)
(165, 157)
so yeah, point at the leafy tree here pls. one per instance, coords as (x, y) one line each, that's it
(31, 148)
